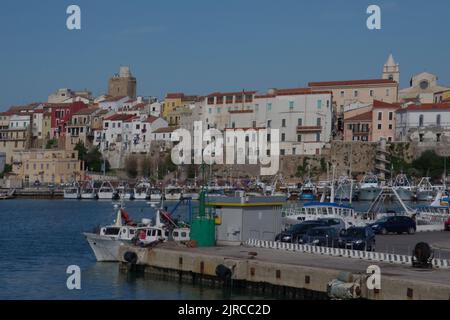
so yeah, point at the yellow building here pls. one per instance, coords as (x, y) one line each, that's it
(12, 140)
(47, 166)
(173, 104)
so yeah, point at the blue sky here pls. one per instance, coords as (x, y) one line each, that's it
(201, 46)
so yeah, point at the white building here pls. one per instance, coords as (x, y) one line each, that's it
(303, 117)
(163, 134)
(19, 121)
(113, 130)
(423, 123)
(113, 104)
(137, 132)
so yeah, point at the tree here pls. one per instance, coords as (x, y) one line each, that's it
(430, 164)
(82, 150)
(131, 166)
(52, 143)
(7, 169)
(94, 160)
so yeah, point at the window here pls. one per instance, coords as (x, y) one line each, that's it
(283, 137)
(299, 138)
(293, 151)
(256, 107)
(342, 94)
(319, 122)
(438, 120)
(268, 137)
(421, 120)
(300, 122)
(421, 137)
(390, 127)
(319, 104)
(283, 123)
(388, 92)
(291, 105)
(282, 152)
(380, 116)
(371, 93)
(317, 137)
(391, 116)
(438, 137)
(379, 126)
(269, 123)
(254, 124)
(209, 110)
(269, 107)
(355, 93)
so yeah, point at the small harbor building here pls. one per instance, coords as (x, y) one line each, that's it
(244, 217)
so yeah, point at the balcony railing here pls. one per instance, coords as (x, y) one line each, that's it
(309, 128)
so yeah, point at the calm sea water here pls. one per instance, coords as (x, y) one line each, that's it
(39, 239)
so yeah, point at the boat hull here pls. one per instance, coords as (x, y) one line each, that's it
(368, 194)
(173, 197)
(71, 196)
(192, 196)
(106, 249)
(425, 195)
(88, 196)
(140, 196)
(106, 195)
(405, 194)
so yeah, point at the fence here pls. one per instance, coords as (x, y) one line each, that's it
(346, 253)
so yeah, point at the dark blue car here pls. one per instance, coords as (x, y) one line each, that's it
(321, 236)
(357, 238)
(394, 224)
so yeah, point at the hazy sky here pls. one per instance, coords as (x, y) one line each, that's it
(201, 46)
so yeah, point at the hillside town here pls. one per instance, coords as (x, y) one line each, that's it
(74, 135)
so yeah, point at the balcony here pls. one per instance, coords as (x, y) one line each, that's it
(309, 129)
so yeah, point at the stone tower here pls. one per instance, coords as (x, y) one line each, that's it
(122, 84)
(391, 70)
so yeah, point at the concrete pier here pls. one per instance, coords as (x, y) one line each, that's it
(290, 272)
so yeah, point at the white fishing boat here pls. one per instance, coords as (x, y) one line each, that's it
(107, 242)
(72, 191)
(425, 191)
(106, 191)
(173, 193)
(191, 192)
(308, 191)
(154, 195)
(124, 192)
(369, 188)
(403, 187)
(88, 191)
(141, 191)
(346, 189)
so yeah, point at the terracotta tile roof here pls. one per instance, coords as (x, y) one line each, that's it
(351, 83)
(86, 111)
(367, 116)
(291, 92)
(427, 107)
(166, 130)
(240, 111)
(120, 117)
(377, 104)
(151, 119)
(174, 95)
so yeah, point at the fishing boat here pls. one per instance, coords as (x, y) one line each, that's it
(88, 191)
(308, 191)
(191, 192)
(107, 241)
(141, 191)
(425, 190)
(154, 194)
(172, 193)
(345, 190)
(369, 188)
(123, 191)
(106, 191)
(403, 187)
(72, 191)
(5, 195)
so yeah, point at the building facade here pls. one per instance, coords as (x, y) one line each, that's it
(47, 166)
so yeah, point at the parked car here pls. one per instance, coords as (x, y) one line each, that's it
(336, 223)
(296, 232)
(447, 225)
(357, 238)
(321, 236)
(396, 224)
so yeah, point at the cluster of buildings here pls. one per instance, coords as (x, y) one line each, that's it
(120, 123)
